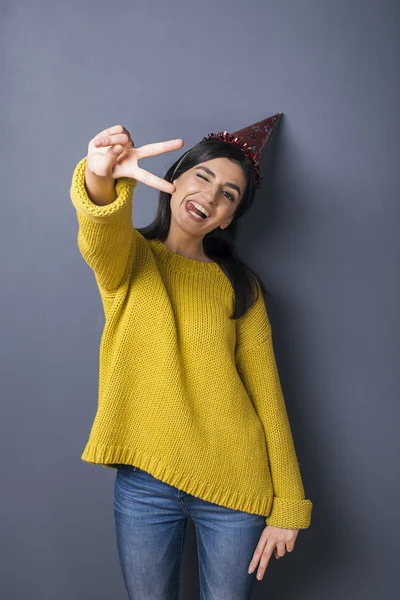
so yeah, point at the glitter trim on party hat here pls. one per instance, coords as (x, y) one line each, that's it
(252, 140)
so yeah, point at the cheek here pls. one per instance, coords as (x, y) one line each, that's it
(177, 203)
(190, 186)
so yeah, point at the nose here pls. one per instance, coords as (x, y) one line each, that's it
(209, 197)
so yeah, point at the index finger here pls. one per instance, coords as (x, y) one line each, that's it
(158, 148)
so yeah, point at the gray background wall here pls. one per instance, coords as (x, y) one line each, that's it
(323, 234)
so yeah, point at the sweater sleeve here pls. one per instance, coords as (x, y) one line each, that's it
(256, 364)
(105, 233)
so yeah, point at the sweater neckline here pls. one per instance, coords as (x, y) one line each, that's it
(182, 263)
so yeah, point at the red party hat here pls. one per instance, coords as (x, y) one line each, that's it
(252, 140)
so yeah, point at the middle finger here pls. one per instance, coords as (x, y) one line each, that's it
(266, 555)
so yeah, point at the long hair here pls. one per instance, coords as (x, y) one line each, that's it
(218, 244)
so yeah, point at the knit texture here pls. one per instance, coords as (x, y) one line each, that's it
(185, 393)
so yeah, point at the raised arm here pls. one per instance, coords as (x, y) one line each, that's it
(105, 231)
(102, 191)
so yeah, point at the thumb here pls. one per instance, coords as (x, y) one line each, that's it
(112, 155)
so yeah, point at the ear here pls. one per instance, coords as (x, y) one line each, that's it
(226, 223)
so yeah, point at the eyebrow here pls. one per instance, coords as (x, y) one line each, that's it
(227, 183)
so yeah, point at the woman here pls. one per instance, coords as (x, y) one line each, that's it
(190, 408)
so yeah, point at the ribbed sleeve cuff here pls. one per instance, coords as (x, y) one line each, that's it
(83, 204)
(290, 514)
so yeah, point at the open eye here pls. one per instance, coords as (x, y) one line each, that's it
(230, 195)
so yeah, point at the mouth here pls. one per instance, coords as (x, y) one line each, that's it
(194, 212)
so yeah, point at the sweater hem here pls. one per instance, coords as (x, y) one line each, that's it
(114, 456)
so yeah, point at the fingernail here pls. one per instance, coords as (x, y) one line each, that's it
(250, 570)
(259, 575)
(98, 141)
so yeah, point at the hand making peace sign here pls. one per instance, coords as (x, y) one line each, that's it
(111, 153)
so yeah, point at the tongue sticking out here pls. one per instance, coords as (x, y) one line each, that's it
(196, 210)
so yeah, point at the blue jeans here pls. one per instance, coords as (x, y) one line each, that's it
(150, 519)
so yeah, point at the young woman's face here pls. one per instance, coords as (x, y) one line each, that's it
(217, 185)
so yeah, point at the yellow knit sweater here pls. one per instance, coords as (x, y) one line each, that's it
(185, 393)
